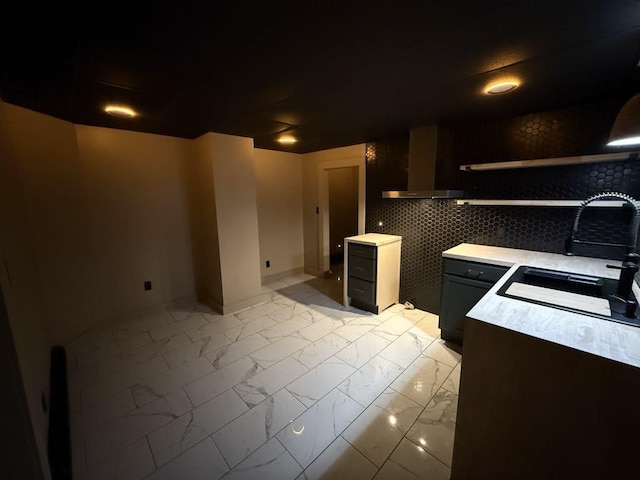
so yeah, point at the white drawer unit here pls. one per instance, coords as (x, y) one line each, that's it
(372, 271)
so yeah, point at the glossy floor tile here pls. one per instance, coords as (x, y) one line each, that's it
(294, 387)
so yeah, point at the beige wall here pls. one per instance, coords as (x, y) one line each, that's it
(107, 211)
(95, 212)
(279, 194)
(315, 194)
(234, 187)
(204, 225)
(136, 196)
(51, 174)
(22, 290)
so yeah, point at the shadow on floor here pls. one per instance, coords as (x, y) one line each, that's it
(331, 284)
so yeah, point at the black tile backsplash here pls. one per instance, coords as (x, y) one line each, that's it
(429, 227)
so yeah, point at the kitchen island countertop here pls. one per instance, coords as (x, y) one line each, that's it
(604, 338)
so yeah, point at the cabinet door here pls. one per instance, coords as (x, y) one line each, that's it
(459, 295)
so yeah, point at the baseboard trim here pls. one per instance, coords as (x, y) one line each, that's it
(123, 317)
(312, 271)
(277, 276)
(233, 307)
(159, 308)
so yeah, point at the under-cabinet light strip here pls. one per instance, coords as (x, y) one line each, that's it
(540, 203)
(552, 162)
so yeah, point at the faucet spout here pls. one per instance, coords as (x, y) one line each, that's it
(633, 230)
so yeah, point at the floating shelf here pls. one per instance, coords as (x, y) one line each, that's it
(540, 203)
(552, 162)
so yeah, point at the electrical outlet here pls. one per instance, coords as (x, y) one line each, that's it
(147, 285)
(268, 263)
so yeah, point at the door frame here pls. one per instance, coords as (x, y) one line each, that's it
(324, 247)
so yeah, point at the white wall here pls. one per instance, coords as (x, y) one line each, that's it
(279, 194)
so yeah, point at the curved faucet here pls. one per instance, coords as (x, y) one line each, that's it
(633, 233)
(623, 301)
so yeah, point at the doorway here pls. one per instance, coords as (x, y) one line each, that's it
(340, 194)
(343, 213)
(347, 181)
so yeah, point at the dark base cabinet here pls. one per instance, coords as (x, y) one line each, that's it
(463, 285)
(372, 263)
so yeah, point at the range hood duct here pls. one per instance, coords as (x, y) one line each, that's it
(423, 146)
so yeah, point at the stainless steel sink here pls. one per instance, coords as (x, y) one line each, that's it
(554, 282)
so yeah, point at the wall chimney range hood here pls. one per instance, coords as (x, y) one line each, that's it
(423, 145)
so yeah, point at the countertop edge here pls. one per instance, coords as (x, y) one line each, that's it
(377, 239)
(612, 340)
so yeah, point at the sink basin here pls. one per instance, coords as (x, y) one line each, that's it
(574, 292)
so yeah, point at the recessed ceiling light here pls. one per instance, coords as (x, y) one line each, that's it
(501, 87)
(287, 139)
(120, 111)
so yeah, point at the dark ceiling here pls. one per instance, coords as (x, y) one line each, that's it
(331, 73)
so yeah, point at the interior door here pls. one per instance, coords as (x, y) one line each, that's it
(343, 211)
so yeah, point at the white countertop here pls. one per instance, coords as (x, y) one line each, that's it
(608, 339)
(376, 239)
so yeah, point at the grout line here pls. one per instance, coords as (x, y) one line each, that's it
(220, 451)
(426, 451)
(361, 452)
(153, 456)
(416, 420)
(290, 454)
(307, 369)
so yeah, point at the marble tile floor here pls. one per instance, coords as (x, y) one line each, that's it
(294, 387)
(331, 283)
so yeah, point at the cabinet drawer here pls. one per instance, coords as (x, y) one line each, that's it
(362, 290)
(474, 270)
(359, 250)
(364, 268)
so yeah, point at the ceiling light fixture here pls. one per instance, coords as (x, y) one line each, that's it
(626, 128)
(120, 111)
(501, 87)
(287, 139)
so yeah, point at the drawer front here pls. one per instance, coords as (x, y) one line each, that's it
(360, 250)
(362, 290)
(474, 270)
(363, 268)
